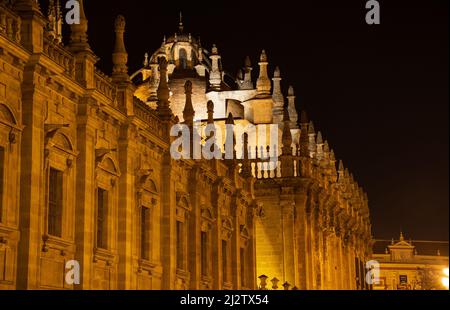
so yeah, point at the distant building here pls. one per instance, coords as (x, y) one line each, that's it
(410, 265)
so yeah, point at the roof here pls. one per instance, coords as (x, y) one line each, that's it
(429, 248)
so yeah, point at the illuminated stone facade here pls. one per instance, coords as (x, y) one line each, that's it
(410, 265)
(86, 173)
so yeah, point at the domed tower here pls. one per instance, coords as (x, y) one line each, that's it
(186, 60)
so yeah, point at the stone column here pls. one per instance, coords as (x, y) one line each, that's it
(32, 180)
(85, 203)
(128, 226)
(289, 246)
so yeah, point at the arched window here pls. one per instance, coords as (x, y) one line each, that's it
(183, 59)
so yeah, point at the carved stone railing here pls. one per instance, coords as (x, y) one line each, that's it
(10, 23)
(61, 56)
(104, 85)
(149, 116)
(264, 163)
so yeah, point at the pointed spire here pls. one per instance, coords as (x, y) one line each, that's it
(79, 36)
(180, 24)
(292, 108)
(402, 238)
(326, 147)
(188, 112)
(311, 129)
(319, 146)
(334, 173)
(304, 138)
(332, 156)
(341, 166)
(341, 172)
(277, 72)
(215, 76)
(319, 139)
(247, 83)
(246, 171)
(287, 135)
(54, 17)
(230, 119)
(291, 92)
(230, 154)
(120, 55)
(163, 93)
(326, 152)
(312, 140)
(263, 84)
(146, 60)
(287, 164)
(277, 95)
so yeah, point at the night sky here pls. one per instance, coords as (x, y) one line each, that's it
(379, 94)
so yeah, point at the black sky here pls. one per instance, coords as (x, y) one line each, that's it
(379, 93)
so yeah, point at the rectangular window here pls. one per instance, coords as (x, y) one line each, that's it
(102, 218)
(225, 260)
(180, 245)
(403, 280)
(204, 254)
(145, 233)
(55, 202)
(2, 169)
(243, 273)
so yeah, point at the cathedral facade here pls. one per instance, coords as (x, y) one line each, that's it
(87, 178)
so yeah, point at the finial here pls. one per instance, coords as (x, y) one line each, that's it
(326, 147)
(188, 112)
(311, 129)
(287, 135)
(230, 119)
(248, 62)
(215, 50)
(277, 72)
(79, 36)
(263, 85)
(210, 108)
(263, 57)
(163, 92)
(402, 238)
(120, 56)
(180, 24)
(332, 156)
(319, 138)
(291, 91)
(145, 59)
(341, 166)
(215, 74)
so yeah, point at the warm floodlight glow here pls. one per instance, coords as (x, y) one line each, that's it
(445, 278)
